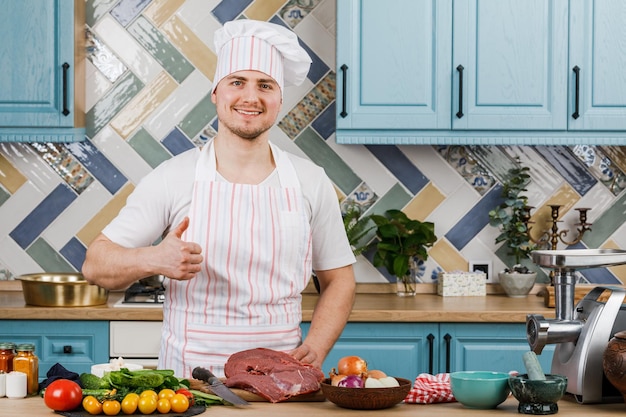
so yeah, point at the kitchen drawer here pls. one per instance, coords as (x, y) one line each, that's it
(76, 345)
(135, 339)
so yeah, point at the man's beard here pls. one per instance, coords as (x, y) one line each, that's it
(250, 133)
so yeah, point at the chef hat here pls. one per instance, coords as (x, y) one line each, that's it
(261, 46)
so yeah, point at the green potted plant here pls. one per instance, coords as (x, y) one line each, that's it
(402, 242)
(357, 227)
(511, 217)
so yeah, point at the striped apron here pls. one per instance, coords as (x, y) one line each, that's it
(256, 244)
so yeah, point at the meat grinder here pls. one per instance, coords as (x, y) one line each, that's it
(583, 331)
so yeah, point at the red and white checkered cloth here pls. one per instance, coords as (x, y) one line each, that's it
(428, 389)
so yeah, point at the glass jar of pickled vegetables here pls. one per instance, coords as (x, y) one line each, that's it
(7, 353)
(27, 362)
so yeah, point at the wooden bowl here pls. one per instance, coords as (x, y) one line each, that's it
(366, 398)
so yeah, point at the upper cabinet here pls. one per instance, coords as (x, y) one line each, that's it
(481, 72)
(510, 65)
(393, 59)
(42, 61)
(597, 80)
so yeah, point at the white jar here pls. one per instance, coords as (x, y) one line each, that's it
(3, 384)
(16, 384)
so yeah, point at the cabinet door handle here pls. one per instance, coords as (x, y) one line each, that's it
(447, 338)
(67, 349)
(576, 70)
(460, 69)
(344, 90)
(431, 352)
(66, 68)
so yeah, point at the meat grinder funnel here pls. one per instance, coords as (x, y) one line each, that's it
(581, 333)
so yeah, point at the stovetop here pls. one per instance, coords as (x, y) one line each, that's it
(142, 295)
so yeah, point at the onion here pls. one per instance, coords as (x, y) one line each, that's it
(352, 365)
(375, 373)
(335, 378)
(351, 381)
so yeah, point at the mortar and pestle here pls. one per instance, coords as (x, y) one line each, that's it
(537, 392)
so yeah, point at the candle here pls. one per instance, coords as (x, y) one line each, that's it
(16, 384)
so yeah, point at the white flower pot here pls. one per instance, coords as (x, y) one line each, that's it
(517, 285)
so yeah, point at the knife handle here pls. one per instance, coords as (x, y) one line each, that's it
(205, 375)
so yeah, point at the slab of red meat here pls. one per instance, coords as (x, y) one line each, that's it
(273, 375)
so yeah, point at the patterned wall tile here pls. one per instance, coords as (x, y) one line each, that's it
(400, 166)
(103, 111)
(263, 10)
(191, 46)
(230, 10)
(155, 42)
(104, 215)
(149, 149)
(145, 102)
(42, 215)
(158, 12)
(47, 257)
(10, 177)
(55, 200)
(127, 10)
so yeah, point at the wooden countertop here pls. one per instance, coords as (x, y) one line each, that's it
(368, 307)
(35, 407)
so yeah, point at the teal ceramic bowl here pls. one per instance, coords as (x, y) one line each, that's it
(480, 389)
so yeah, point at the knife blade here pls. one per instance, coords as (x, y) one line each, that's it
(217, 386)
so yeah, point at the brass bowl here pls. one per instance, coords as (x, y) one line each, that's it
(366, 398)
(61, 290)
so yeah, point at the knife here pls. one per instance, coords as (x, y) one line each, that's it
(218, 386)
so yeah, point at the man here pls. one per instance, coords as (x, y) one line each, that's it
(243, 223)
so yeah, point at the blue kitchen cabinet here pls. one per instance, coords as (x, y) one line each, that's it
(77, 345)
(488, 347)
(537, 72)
(37, 57)
(393, 60)
(398, 349)
(510, 65)
(597, 50)
(409, 349)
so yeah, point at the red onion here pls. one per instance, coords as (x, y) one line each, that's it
(351, 381)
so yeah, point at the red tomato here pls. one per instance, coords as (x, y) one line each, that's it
(187, 394)
(63, 395)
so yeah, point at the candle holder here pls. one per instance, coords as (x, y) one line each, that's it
(550, 238)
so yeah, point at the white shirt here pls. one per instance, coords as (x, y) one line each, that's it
(162, 198)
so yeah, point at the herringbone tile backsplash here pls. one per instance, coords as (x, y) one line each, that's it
(150, 66)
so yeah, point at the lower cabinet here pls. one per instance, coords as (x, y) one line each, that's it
(74, 344)
(408, 349)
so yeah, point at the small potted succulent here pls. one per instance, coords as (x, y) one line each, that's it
(402, 242)
(510, 217)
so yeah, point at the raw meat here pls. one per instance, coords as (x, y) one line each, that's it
(273, 375)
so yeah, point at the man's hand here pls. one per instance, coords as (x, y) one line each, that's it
(305, 354)
(179, 259)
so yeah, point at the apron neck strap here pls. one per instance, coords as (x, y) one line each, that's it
(206, 167)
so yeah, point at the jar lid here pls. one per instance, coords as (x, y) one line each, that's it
(25, 347)
(7, 345)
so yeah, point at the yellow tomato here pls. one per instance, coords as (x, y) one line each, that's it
(164, 406)
(111, 407)
(180, 403)
(166, 393)
(147, 404)
(92, 405)
(129, 403)
(149, 393)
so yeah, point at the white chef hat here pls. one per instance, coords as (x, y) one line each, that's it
(261, 46)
